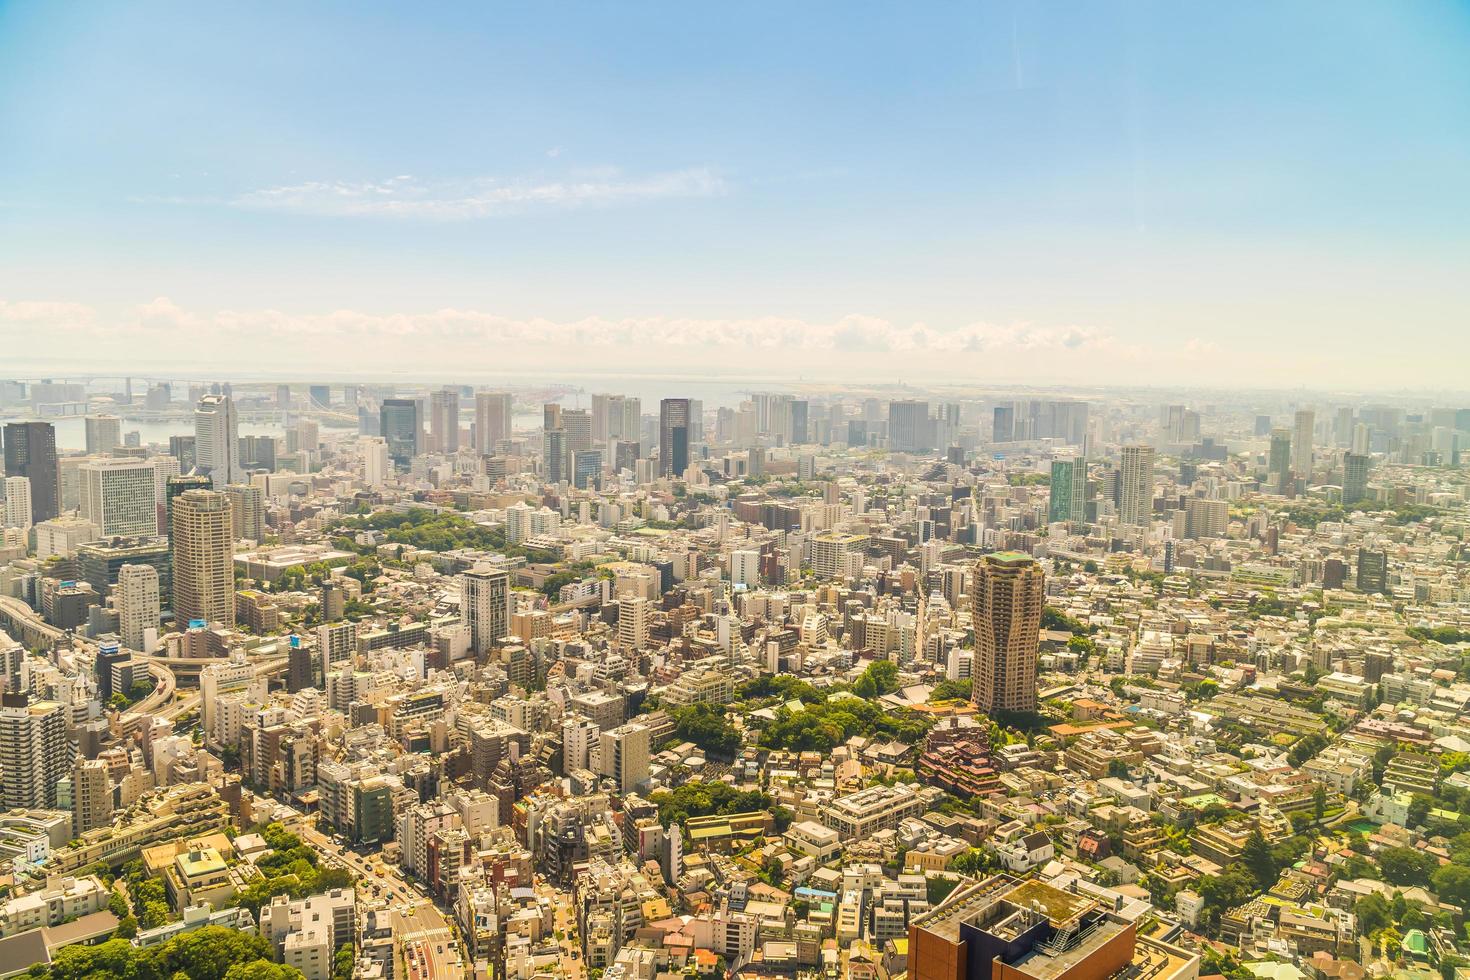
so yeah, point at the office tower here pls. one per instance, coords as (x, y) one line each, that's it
(601, 420)
(1004, 425)
(909, 428)
(174, 486)
(1009, 588)
(1372, 570)
(104, 434)
(402, 429)
(624, 754)
(217, 439)
(577, 424)
(247, 511)
(634, 614)
(181, 448)
(283, 397)
(485, 606)
(91, 796)
(1068, 501)
(1342, 427)
(17, 512)
(307, 434)
(1278, 460)
(631, 427)
(376, 463)
(1355, 469)
(444, 421)
(203, 540)
(34, 752)
(492, 420)
(554, 453)
(800, 422)
(1263, 426)
(1205, 518)
(673, 436)
(696, 421)
(257, 451)
(1301, 457)
(626, 455)
(137, 599)
(1136, 486)
(30, 451)
(120, 496)
(320, 395)
(587, 469)
(1362, 438)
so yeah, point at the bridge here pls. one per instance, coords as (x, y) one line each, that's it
(27, 626)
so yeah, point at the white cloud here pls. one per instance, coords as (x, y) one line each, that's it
(45, 313)
(406, 196)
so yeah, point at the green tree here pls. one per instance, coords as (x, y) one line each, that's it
(1406, 866)
(1452, 884)
(1373, 912)
(1256, 857)
(263, 970)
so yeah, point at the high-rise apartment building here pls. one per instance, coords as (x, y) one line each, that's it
(1009, 589)
(202, 536)
(493, 416)
(1136, 486)
(17, 510)
(1205, 518)
(673, 436)
(376, 463)
(137, 600)
(247, 511)
(624, 754)
(1372, 570)
(1068, 499)
(34, 752)
(485, 605)
(217, 439)
(91, 796)
(104, 434)
(444, 421)
(634, 622)
(402, 428)
(1301, 457)
(1355, 469)
(30, 451)
(120, 496)
(1003, 428)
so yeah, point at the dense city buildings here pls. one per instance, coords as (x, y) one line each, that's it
(825, 682)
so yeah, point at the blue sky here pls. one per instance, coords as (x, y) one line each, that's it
(1110, 192)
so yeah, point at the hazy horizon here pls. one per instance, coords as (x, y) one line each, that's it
(1261, 197)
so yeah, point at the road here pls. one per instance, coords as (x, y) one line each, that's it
(423, 931)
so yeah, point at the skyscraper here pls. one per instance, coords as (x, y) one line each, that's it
(120, 496)
(1355, 469)
(624, 753)
(203, 539)
(1278, 461)
(402, 428)
(800, 422)
(247, 510)
(1068, 500)
(1136, 486)
(1301, 457)
(104, 433)
(909, 428)
(492, 420)
(485, 604)
(1009, 588)
(30, 451)
(1004, 425)
(34, 752)
(444, 421)
(137, 601)
(673, 436)
(1372, 570)
(217, 439)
